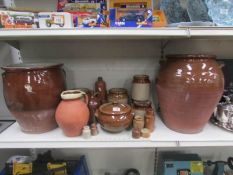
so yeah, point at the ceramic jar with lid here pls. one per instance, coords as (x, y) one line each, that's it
(72, 113)
(32, 93)
(119, 95)
(139, 108)
(114, 117)
(101, 89)
(141, 88)
(189, 88)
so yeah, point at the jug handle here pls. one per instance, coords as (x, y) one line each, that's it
(86, 100)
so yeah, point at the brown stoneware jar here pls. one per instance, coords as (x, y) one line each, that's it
(32, 93)
(138, 122)
(150, 119)
(139, 108)
(101, 89)
(114, 117)
(119, 95)
(93, 105)
(141, 88)
(189, 87)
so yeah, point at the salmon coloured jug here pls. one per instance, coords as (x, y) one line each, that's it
(72, 113)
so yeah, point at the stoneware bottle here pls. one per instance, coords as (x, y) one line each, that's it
(72, 113)
(100, 87)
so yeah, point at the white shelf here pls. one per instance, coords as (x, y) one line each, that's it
(162, 137)
(118, 33)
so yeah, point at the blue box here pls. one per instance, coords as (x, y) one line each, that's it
(123, 17)
(183, 168)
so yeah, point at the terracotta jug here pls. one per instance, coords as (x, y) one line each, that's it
(189, 88)
(32, 93)
(72, 113)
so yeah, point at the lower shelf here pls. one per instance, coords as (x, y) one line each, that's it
(211, 135)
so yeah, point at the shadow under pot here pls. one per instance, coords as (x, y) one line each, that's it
(32, 93)
(115, 117)
(189, 88)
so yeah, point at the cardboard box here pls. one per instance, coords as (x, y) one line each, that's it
(55, 20)
(12, 19)
(123, 17)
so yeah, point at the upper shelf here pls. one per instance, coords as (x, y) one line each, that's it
(161, 137)
(117, 33)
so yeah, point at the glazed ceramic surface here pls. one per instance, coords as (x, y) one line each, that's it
(189, 87)
(101, 89)
(119, 95)
(115, 117)
(141, 88)
(72, 113)
(32, 93)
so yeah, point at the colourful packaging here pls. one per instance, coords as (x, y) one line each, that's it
(55, 20)
(122, 17)
(86, 13)
(12, 19)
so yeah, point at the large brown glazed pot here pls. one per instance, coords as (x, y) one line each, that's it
(32, 93)
(189, 87)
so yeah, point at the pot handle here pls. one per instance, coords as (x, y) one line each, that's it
(86, 99)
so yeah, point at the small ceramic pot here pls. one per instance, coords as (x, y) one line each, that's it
(150, 119)
(72, 113)
(139, 108)
(114, 117)
(119, 95)
(141, 88)
(138, 122)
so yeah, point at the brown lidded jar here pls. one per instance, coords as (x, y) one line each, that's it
(141, 88)
(119, 95)
(138, 122)
(150, 119)
(100, 87)
(139, 108)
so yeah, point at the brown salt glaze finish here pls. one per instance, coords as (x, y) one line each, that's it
(119, 95)
(140, 107)
(114, 117)
(141, 88)
(32, 93)
(138, 122)
(150, 119)
(100, 87)
(136, 133)
(72, 113)
(93, 105)
(189, 87)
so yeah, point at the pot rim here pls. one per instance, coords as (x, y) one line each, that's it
(184, 56)
(112, 112)
(30, 66)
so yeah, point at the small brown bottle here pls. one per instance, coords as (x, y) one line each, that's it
(93, 105)
(100, 88)
(150, 119)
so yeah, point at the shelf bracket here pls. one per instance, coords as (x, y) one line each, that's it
(15, 50)
(163, 45)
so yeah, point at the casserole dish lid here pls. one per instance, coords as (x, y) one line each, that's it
(115, 108)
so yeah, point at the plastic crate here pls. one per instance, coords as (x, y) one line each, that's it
(82, 168)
